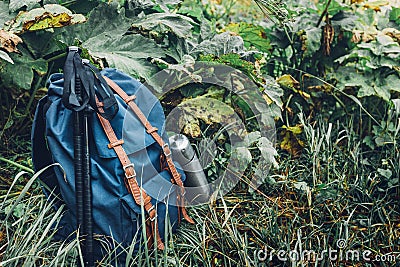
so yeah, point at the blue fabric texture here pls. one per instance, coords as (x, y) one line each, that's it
(115, 212)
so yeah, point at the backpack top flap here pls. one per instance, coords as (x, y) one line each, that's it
(125, 124)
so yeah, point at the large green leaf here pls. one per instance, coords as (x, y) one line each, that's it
(368, 85)
(312, 41)
(16, 5)
(42, 43)
(104, 35)
(127, 53)
(391, 83)
(373, 55)
(252, 35)
(165, 22)
(395, 15)
(348, 77)
(345, 20)
(220, 44)
(102, 20)
(4, 13)
(20, 74)
(179, 47)
(383, 45)
(194, 11)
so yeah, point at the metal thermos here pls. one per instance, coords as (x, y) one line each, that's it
(197, 187)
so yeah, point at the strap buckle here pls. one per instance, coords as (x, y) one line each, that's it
(133, 168)
(155, 216)
(182, 192)
(166, 150)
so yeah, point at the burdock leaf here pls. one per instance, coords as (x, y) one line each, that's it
(221, 44)
(4, 13)
(104, 36)
(16, 5)
(127, 53)
(252, 35)
(165, 22)
(20, 74)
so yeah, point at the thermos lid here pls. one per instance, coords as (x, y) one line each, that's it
(181, 148)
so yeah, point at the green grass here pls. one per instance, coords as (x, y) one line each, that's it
(334, 190)
(342, 186)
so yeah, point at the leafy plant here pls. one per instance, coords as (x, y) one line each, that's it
(377, 68)
(326, 71)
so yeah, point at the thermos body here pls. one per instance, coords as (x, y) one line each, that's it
(198, 189)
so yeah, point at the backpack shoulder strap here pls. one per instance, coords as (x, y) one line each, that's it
(139, 195)
(129, 100)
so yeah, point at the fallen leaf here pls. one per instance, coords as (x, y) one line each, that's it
(191, 126)
(291, 141)
(9, 41)
(2, 236)
(189, 114)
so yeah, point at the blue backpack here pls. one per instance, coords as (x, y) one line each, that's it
(116, 197)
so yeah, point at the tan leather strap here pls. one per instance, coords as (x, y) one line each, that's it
(149, 128)
(139, 195)
(152, 234)
(153, 132)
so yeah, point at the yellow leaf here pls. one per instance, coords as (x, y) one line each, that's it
(46, 21)
(304, 94)
(376, 5)
(288, 81)
(298, 129)
(267, 99)
(291, 142)
(49, 16)
(192, 127)
(190, 113)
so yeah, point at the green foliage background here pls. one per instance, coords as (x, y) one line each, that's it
(329, 70)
